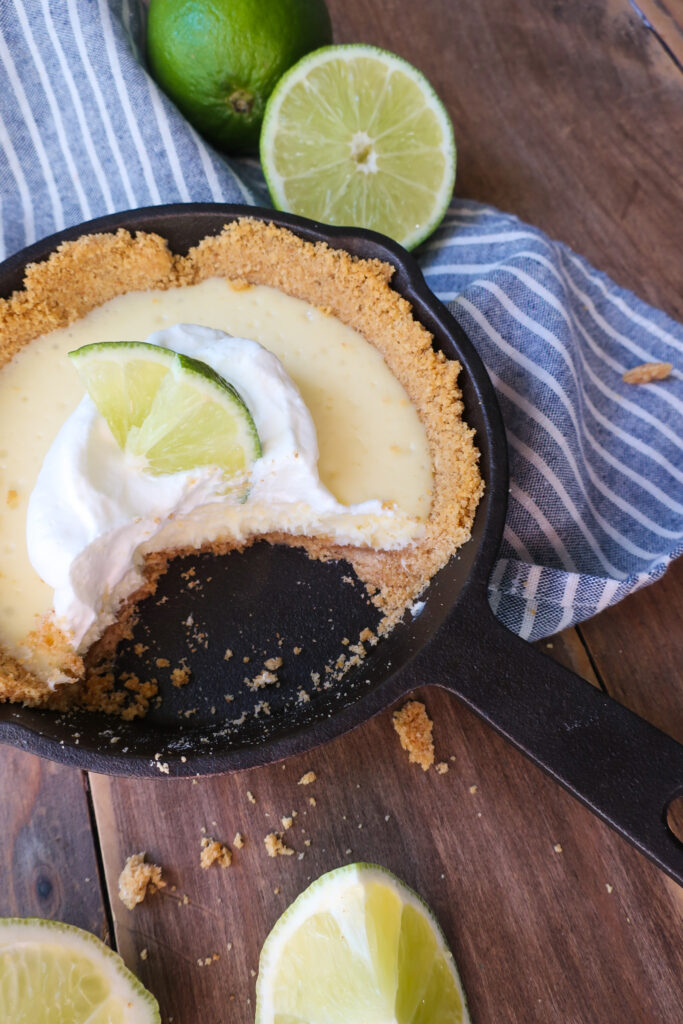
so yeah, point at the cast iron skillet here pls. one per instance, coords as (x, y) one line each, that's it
(618, 765)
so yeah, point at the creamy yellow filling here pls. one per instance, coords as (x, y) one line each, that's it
(372, 443)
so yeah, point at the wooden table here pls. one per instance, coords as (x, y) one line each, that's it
(564, 114)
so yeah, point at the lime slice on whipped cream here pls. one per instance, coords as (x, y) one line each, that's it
(172, 412)
(54, 973)
(356, 136)
(358, 946)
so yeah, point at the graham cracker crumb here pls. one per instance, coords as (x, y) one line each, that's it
(414, 728)
(238, 841)
(214, 852)
(647, 372)
(307, 778)
(312, 801)
(287, 823)
(557, 848)
(441, 767)
(143, 954)
(275, 846)
(137, 879)
(473, 790)
(264, 678)
(162, 663)
(181, 676)
(228, 655)
(273, 664)
(250, 797)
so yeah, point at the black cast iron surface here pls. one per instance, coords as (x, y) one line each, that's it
(267, 601)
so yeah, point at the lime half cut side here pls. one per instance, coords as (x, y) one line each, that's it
(358, 947)
(170, 411)
(356, 136)
(54, 973)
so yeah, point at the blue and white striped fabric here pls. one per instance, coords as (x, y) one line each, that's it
(596, 500)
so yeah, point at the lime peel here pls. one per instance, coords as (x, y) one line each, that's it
(219, 61)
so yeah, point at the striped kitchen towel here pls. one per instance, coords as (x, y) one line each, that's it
(596, 497)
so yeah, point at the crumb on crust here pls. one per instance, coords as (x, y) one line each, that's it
(414, 728)
(137, 879)
(307, 778)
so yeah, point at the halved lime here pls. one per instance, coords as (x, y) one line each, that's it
(170, 410)
(54, 973)
(354, 135)
(358, 947)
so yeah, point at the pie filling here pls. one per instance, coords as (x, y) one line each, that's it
(351, 461)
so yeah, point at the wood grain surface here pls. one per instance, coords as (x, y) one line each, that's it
(48, 858)
(538, 935)
(568, 114)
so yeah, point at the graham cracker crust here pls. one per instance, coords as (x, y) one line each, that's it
(81, 275)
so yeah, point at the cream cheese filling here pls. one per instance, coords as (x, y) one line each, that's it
(375, 476)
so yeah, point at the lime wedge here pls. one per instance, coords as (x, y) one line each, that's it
(358, 947)
(53, 973)
(354, 135)
(171, 411)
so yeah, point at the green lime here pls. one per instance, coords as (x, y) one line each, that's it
(219, 60)
(356, 136)
(358, 946)
(170, 410)
(53, 973)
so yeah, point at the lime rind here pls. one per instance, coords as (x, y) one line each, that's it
(318, 175)
(326, 893)
(137, 1004)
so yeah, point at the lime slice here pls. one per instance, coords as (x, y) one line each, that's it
(358, 947)
(354, 135)
(53, 973)
(171, 411)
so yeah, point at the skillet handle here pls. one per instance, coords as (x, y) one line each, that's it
(617, 764)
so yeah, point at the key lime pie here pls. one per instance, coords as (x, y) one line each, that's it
(154, 405)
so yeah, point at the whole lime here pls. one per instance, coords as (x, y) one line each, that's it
(219, 60)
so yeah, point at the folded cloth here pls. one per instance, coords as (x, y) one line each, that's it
(596, 495)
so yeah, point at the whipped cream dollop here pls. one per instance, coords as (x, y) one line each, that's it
(94, 515)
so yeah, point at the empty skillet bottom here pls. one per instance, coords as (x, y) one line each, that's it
(237, 648)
